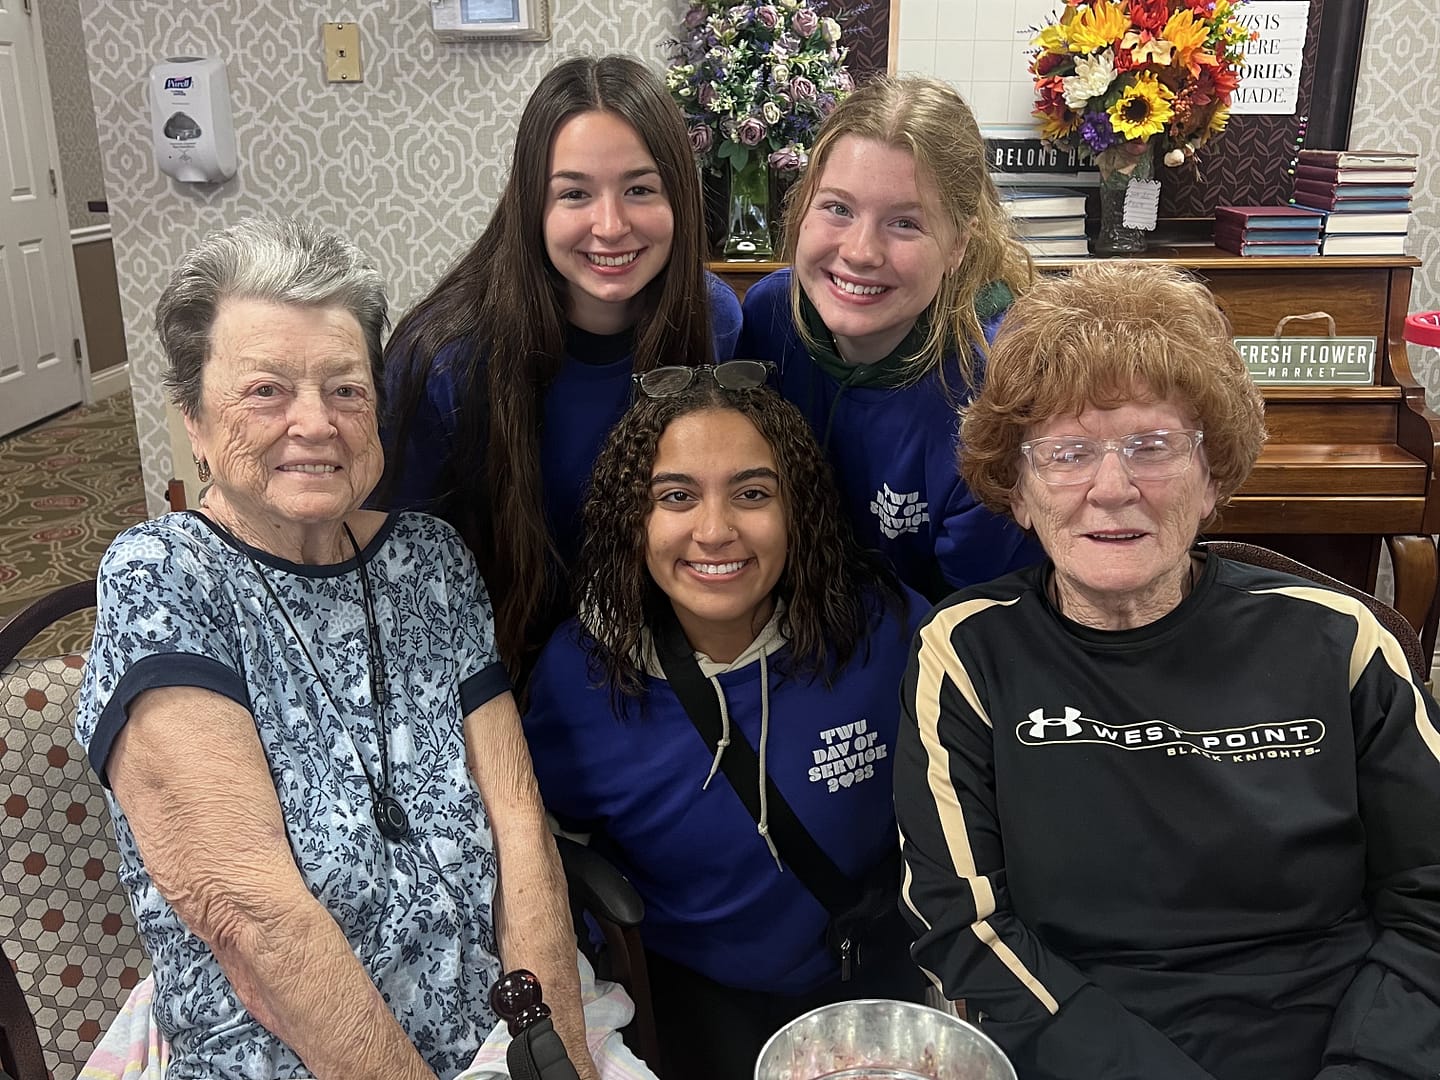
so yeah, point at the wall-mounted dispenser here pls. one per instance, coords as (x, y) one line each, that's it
(190, 119)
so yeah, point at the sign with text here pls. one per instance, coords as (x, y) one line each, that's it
(1270, 79)
(1303, 361)
(1030, 156)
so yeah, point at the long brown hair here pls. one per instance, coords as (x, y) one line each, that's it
(931, 122)
(506, 302)
(833, 589)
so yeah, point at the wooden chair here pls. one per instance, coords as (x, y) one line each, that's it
(1405, 633)
(63, 915)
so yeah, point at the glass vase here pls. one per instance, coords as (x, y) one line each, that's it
(749, 233)
(1118, 166)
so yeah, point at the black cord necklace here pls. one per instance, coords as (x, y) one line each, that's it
(390, 816)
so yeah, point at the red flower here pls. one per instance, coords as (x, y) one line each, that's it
(1048, 62)
(1150, 14)
(1224, 79)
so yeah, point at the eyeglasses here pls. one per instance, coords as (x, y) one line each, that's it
(1146, 455)
(663, 382)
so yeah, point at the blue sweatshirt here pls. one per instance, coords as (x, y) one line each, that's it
(588, 395)
(715, 898)
(893, 451)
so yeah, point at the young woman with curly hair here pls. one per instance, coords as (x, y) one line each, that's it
(902, 264)
(713, 539)
(506, 377)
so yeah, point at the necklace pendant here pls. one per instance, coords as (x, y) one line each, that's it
(391, 819)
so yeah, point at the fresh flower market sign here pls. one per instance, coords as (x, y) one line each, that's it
(1304, 361)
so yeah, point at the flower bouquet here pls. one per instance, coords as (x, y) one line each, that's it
(754, 80)
(1118, 79)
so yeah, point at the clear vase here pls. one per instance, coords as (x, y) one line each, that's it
(749, 233)
(1118, 166)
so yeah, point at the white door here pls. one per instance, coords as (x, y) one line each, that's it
(39, 372)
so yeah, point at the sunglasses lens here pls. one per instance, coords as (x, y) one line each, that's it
(741, 374)
(666, 381)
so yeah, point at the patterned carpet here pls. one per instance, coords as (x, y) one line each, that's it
(66, 489)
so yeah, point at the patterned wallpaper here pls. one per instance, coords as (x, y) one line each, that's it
(1396, 103)
(406, 163)
(73, 108)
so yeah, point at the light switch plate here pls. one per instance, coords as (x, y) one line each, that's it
(342, 52)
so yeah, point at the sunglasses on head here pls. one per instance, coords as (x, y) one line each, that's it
(663, 382)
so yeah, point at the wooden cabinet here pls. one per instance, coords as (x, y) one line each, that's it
(1346, 467)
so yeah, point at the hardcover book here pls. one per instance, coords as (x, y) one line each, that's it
(1041, 246)
(1256, 235)
(1363, 159)
(1365, 244)
(1326, 175)
(1366, 223)
(1246, 248)
(1269, 217)
(1352, 191)
(1049, 228)
(1358, 206)
(1042, 202)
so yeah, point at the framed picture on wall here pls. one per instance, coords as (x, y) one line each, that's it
(472, 20)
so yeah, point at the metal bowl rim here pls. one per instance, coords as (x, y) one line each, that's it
(905, 1006)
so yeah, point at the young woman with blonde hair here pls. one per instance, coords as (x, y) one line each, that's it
(902, 264)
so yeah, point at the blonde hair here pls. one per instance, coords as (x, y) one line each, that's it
(927, 119)
(1106, 334)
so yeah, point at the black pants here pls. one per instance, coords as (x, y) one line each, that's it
(708, 1031)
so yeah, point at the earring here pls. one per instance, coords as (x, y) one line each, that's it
(203, 468)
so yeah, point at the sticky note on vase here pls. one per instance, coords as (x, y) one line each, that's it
(1142, 202)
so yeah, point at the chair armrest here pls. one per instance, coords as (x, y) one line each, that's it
(599, 887)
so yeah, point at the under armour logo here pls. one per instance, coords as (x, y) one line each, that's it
(1039, 722)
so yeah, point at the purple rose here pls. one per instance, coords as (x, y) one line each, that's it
(844, 83)
(700, 139)
(767, 17)
(786, 160)
(749, 132)
(706, 94)
(695, 17)
(802, 88)
(805, 22)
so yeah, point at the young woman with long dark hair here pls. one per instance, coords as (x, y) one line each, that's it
(505, 379)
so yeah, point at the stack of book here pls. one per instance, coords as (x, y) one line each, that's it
(1048, 221)
(1364, 196)
(1268, 230)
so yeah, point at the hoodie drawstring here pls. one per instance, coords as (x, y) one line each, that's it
(724, 732)
(763, 825)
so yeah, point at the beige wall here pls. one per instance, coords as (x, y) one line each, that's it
(406, 163)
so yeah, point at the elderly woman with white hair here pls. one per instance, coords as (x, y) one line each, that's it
(328, 823)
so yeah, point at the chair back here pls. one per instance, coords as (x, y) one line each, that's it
(599, 890)
(64, 917)
(1386, 615)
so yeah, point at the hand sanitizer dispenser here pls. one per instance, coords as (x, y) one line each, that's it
(190, 119)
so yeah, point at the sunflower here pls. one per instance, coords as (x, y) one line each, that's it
(1188, 35)
(1143, 109)
(1218, 119)
(1094, 27)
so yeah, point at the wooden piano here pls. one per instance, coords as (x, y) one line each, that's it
(1346, 467)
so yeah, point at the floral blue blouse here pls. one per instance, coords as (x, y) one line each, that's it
(183, 604)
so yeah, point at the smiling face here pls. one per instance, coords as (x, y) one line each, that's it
(872, 247)
(1121, 549)
(287, 424)
(715, 539)
(608, 220)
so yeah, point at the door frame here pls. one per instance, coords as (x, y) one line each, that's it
(60, 206)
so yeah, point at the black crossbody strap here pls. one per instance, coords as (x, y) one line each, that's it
(741, 765)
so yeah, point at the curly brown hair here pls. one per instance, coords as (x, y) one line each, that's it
(1106, 334)
(834, 590)
(927, 119)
